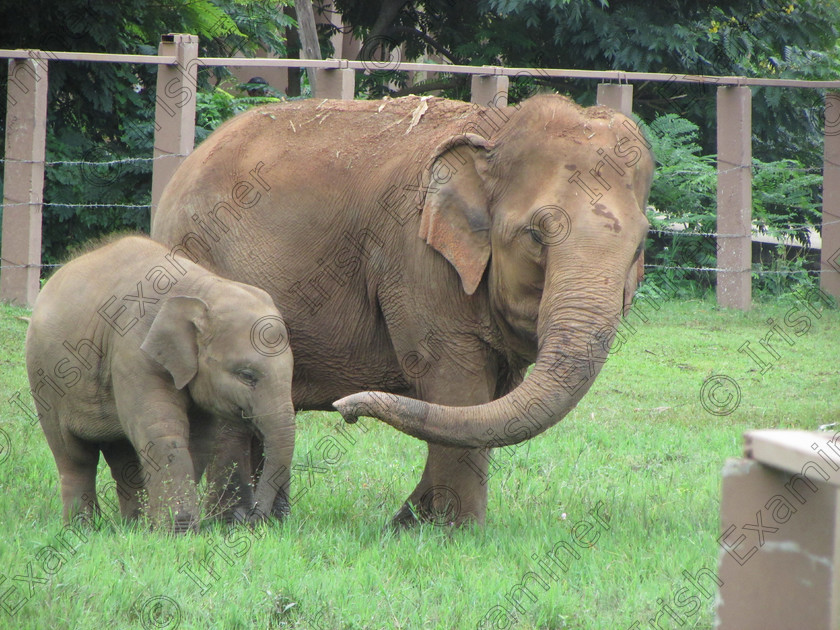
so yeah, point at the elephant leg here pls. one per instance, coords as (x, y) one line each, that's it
(169, 473)
(228, 457)
(409, 515)
(128, 475)
(453, 487)
(156, 423)
(204, 435)
(76, 460)
(451, 491)
(173, 498)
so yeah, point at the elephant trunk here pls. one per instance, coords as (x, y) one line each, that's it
(278, 430)
(576, 325)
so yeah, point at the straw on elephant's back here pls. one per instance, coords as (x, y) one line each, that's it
(362, 133)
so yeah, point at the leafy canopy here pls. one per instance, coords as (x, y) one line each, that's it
(100, 112)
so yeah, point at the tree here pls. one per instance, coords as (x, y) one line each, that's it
(768, 38)
(308, 33)
(103, 111)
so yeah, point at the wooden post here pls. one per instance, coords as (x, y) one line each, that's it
(734, 196)
(830, 254)
(174, 109)
(779, 559)
(23, 177)
(489, 90)
(618, 97)
(338, 83)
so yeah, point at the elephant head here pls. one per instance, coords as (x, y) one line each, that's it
(230, 349)
(550, 213)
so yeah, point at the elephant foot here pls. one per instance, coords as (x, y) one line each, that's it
(235, 514)
(281, 508)
(239, 514)
(182, 523)
(133, 515)
(409, 516)
(243, 514)
(86, 519)
(405, 518)
(434, 508)
(257, 516)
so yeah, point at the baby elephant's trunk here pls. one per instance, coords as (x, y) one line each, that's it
(278, 430)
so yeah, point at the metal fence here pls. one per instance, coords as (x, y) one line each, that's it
(175, 109)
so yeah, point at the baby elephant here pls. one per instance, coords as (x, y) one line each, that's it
(159, 363)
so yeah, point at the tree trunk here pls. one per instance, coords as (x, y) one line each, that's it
(309, 47)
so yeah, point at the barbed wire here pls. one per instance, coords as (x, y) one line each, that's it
(793, 226)
(79, 205)
(755, 167)
(735, 167)
(86, 163)
(691, 233)
(170, 155)
(647, 266)
(759, 272)
(678, 232)
(25, 266)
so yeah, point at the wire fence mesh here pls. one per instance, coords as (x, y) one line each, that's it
(675, 232)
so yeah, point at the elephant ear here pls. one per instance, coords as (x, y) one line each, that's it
(455, 219)
(172, 340)
(633, 280)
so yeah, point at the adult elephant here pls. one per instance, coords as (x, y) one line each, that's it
(430, 249)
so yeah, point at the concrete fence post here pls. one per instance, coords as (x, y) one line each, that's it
(337, 83)
(489, 90)
(830, 254)
(23, 180)
(779, 546)
(174, 109)
(618, 97)
(734, 196)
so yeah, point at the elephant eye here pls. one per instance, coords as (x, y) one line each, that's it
(247, 376)
(535, 235)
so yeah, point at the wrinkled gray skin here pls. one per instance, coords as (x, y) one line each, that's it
(151, 360)
(430, 250)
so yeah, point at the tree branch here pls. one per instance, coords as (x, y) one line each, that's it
(387, 14)
(429, 41)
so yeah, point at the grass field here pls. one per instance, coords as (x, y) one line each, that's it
(641, 450)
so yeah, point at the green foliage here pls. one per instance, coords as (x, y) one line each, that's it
(120, 184)
(104, 111)
(216, 106)
(95, 115)
(251, 25)
(765, 38)
(787, 274)
(684, 180)
(785, 196)
(684, 195)
(378, 83)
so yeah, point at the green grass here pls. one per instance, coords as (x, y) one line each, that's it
(640, 442)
